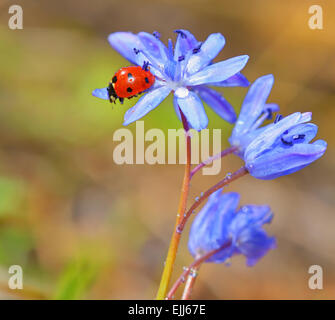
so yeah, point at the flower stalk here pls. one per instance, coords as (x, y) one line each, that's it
(190, 283)
(194, 265)
(174, 243)
(219, 155)
(228, 179)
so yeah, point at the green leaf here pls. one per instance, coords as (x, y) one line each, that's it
(76, 279)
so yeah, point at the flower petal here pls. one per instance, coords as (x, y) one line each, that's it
(101, 93)
(268, 137)
(209, 229)
(308, 130)
(147, 103)
(185, 44)
(321, 143)
(237, 80)
(241, 142)
(254, 243)
(250, 215)
(176, 107)
(193, 110)
(305, 117)
(141, 58)
(208, 51)
(273, 107)
(124, 43)
(218, 71)
(154, 49)
(283, 161)
(217, 102)
(253, 104)
(186, 41)
(205, 217)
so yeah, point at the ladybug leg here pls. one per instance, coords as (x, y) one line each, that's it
(112, 100)
(121, 100)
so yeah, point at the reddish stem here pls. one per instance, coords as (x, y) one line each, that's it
(195, 264)
(222, 154)
(190, 283)
(228, 179)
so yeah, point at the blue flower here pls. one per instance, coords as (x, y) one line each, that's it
(284, 147)
(219, 222)
(185, 70)
(254, 112)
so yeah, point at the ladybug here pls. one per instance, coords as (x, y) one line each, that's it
(130, 81)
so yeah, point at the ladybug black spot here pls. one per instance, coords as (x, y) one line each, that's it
(130, 77)
(114, 79)
(146, 79)
(129, 89)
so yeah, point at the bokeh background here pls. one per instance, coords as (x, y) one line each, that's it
(83, 227)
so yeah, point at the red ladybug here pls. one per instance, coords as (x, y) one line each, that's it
(130, 81)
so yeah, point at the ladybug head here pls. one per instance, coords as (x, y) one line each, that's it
(111, 93)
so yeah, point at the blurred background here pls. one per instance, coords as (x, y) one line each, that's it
(83, 227)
